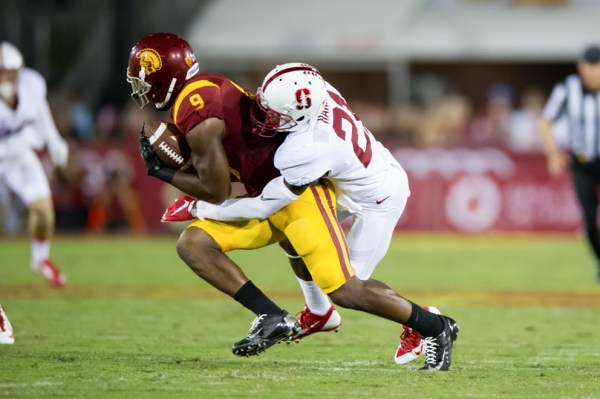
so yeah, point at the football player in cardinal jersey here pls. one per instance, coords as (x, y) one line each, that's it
(26, 123)
(326, 141)
(214, 114)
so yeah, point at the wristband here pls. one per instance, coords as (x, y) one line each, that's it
(165, 174)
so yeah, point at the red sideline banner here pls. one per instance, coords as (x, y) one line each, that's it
(479, 190)
(466, 190)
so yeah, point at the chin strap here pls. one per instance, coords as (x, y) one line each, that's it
(292, 256)
(161, 106)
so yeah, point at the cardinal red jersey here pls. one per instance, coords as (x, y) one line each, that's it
(250, 157)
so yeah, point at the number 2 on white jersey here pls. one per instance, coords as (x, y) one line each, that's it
(345, 114)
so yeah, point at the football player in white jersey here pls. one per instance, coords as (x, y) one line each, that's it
(326, 140)
(6, 331)
(26, 124)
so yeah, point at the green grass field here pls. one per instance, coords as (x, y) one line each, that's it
(134, 322)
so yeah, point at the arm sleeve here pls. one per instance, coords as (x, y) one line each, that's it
(303, 165)
(274, 196)
(47, 124)
(48, 132)
(45, 130)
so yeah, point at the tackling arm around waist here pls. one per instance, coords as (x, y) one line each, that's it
(274, 196)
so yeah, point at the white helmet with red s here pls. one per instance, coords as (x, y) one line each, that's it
(11, 62)
(10, 57)
(291, 96)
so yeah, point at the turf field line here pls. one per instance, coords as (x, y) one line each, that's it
(459, 297)
(28, 385)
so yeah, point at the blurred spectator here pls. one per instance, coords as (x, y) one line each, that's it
(373, 115)
(107, 125)
(523, 132)
(445, 124)
(96, 193)
(132, 118)
(427, 89)
(115, 204)
(403, 123)
(491, 125)
(81, 118)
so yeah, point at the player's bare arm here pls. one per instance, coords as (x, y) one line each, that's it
(211, 183)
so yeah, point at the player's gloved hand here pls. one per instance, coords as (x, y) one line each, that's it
(182, 209)
(154, 167)
(59, 152)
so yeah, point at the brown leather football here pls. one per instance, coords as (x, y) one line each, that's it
(169, 144)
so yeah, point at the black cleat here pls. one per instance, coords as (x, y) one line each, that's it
(266, 330)
(438, 350)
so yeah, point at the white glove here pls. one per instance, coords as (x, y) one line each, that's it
(59, 152)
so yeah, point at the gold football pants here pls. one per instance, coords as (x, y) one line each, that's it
(311, 226)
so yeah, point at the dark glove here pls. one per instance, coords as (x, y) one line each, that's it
(154, 167)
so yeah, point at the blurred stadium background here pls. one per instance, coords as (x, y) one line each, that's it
(453, 87)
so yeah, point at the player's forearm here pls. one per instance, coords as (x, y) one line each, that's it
(241, 209)
(274, 197)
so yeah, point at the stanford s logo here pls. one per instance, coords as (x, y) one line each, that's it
(303, 98)
(150, 60)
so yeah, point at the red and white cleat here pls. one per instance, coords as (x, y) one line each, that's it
(411, 345)
(53, 276)
(6, 332)
(311, 323)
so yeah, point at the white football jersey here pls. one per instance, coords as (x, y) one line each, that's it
(31, 121)
(369, 183)
(339, 146)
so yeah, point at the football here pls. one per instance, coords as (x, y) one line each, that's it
(169, 144)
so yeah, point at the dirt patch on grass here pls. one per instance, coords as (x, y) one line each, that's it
(458, 297)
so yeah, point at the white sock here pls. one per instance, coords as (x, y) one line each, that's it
(40, 251)
(317, 302)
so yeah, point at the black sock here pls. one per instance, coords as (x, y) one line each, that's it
(253, 298)
(427, 323)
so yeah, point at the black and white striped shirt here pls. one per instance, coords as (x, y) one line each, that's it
(582, 109)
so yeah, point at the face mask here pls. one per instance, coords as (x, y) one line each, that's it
(7, 90)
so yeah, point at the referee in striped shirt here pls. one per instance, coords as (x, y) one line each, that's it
(577, 99)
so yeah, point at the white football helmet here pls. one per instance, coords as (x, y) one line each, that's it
(11, 62)
(290, 97)
(10, 57)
